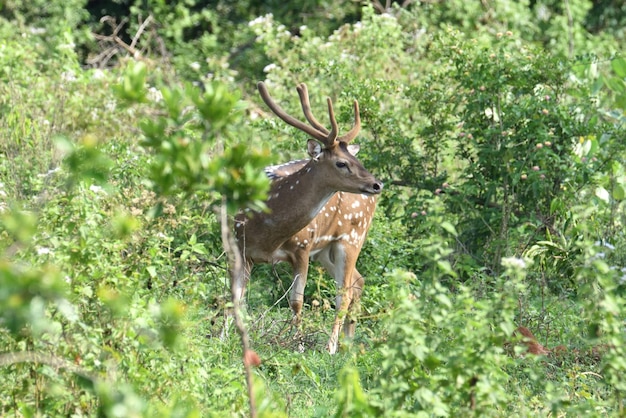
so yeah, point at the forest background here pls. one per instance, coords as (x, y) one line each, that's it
(497, 127)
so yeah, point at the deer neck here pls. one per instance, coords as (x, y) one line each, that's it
(296, 199)
(293, 202)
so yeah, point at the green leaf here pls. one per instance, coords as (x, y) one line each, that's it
(152, 271)
(601, 266)
(133, 87)
(619, 66)
(448, 227)
(615, 84)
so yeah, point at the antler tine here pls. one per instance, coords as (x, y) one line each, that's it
(352, 133)
(303, 92)
(332, 136)
(280, 112)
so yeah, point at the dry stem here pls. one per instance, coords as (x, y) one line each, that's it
(236, 270)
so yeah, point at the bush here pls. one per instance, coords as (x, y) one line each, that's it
(503, 207)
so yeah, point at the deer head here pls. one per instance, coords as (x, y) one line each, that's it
(338, 167)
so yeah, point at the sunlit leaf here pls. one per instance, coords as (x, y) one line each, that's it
(602, 194)
(618, 192)
(619, 66)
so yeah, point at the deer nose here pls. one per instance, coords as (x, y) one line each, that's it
(377, 187)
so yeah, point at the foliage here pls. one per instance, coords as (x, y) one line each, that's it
(184, 142)
(515, 140)
(62, 290)
(496, 127)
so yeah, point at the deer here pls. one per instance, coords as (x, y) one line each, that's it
(319, 208)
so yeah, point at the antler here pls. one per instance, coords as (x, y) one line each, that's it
(306, 109)
(321, 136)
(303, 92)
(356, 128)
(316, 130)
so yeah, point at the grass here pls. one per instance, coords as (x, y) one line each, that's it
(141, 310)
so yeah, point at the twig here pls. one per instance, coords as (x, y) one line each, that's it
(570, 30)
(591, 374)
(142, 27)
(236, 270)
(116, 39)
(277, 302)
(118, 44)
(7, 359)
(103, 57)
(387, 7)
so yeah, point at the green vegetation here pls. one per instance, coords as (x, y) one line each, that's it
(498, 129)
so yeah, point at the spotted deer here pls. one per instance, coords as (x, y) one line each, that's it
(319, 208)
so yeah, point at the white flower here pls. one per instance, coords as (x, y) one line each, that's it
(68, 76)
(270, 67)
(98, 74)
(154, 94)
(69, 45)
(261, 19)
(97, 189)
(49, 173)
(37, 31)
(43, 250)
(195, 66)
(604, 244)
(513, 262)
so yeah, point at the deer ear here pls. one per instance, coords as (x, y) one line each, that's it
(353, 149)
(314, 148)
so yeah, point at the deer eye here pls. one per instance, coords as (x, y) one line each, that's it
(341, 164)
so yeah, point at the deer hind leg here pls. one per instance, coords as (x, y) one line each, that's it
(339, 263)
(349, 324)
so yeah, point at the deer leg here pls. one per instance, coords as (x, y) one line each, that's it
(343, 300)
(300, 266)
(239, 280)
(339, 264)
(349, 324)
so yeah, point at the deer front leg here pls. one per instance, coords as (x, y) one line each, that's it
(300, 267)
(239, 280)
